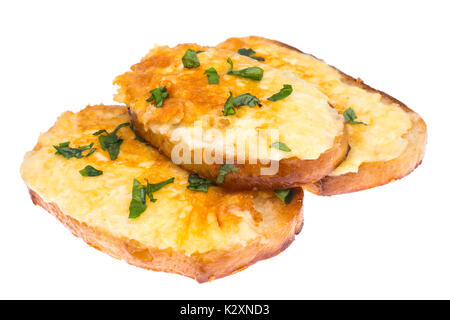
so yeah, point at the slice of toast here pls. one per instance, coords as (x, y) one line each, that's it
(387, 145)
(310, 130)
(200, 235)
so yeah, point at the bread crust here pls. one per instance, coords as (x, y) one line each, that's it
(377, 173)
(201, 267)
(292, 173)
(373, 174)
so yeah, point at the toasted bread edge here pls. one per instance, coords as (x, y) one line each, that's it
(373, 174)
(201, 267)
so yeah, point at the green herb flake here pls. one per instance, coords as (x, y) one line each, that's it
(140, 193)
(350, 116)
(197, 183)
(249, 53)
(151, 188)
(99, 132)
(213, 76)
(230, 62)
(283, 93)
(158, 95)
(137, 204)
(137, 137)
(90, 152)
(246, 99)
(223, 171)
(253, 73)
(111, 141)
(67, 152)
(190, 59)
(228, 108)
(281, 146)
(285, 195)
(90, 171)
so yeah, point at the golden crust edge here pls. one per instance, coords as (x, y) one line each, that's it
(377, 173)
(201, 267)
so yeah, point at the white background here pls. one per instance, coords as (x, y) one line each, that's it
(388, 242)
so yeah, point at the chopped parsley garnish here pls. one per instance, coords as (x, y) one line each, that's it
(137, 137)
(139, 194)
(96, 133)
(246, 99)
(137, 204)
(68, 152)
(190, 59)
(90, 171)
(153, 187)
(283, 93)
(250, 53)
(213, 76)
(228, 108)
(350, 116)
(223, 171)
(285, 195)
(253, 73)
(159, 95)
(197, 183)
(111, 141)
(281, 146)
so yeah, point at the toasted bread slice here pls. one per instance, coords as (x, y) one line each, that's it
(200, 235)
(304, 121)
(388, 147)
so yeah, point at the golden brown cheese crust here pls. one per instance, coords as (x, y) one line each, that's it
(200, 235)
(316, 151)
(369, 173)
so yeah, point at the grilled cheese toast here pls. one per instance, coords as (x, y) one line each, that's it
(200, 235)
(305, 122)
(390, 139)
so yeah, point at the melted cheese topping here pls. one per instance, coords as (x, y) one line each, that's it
(305, 121)
(180, 219)
(381, 140)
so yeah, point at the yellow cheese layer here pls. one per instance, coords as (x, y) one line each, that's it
(304, 121)
(381, 140)
(180, 219)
